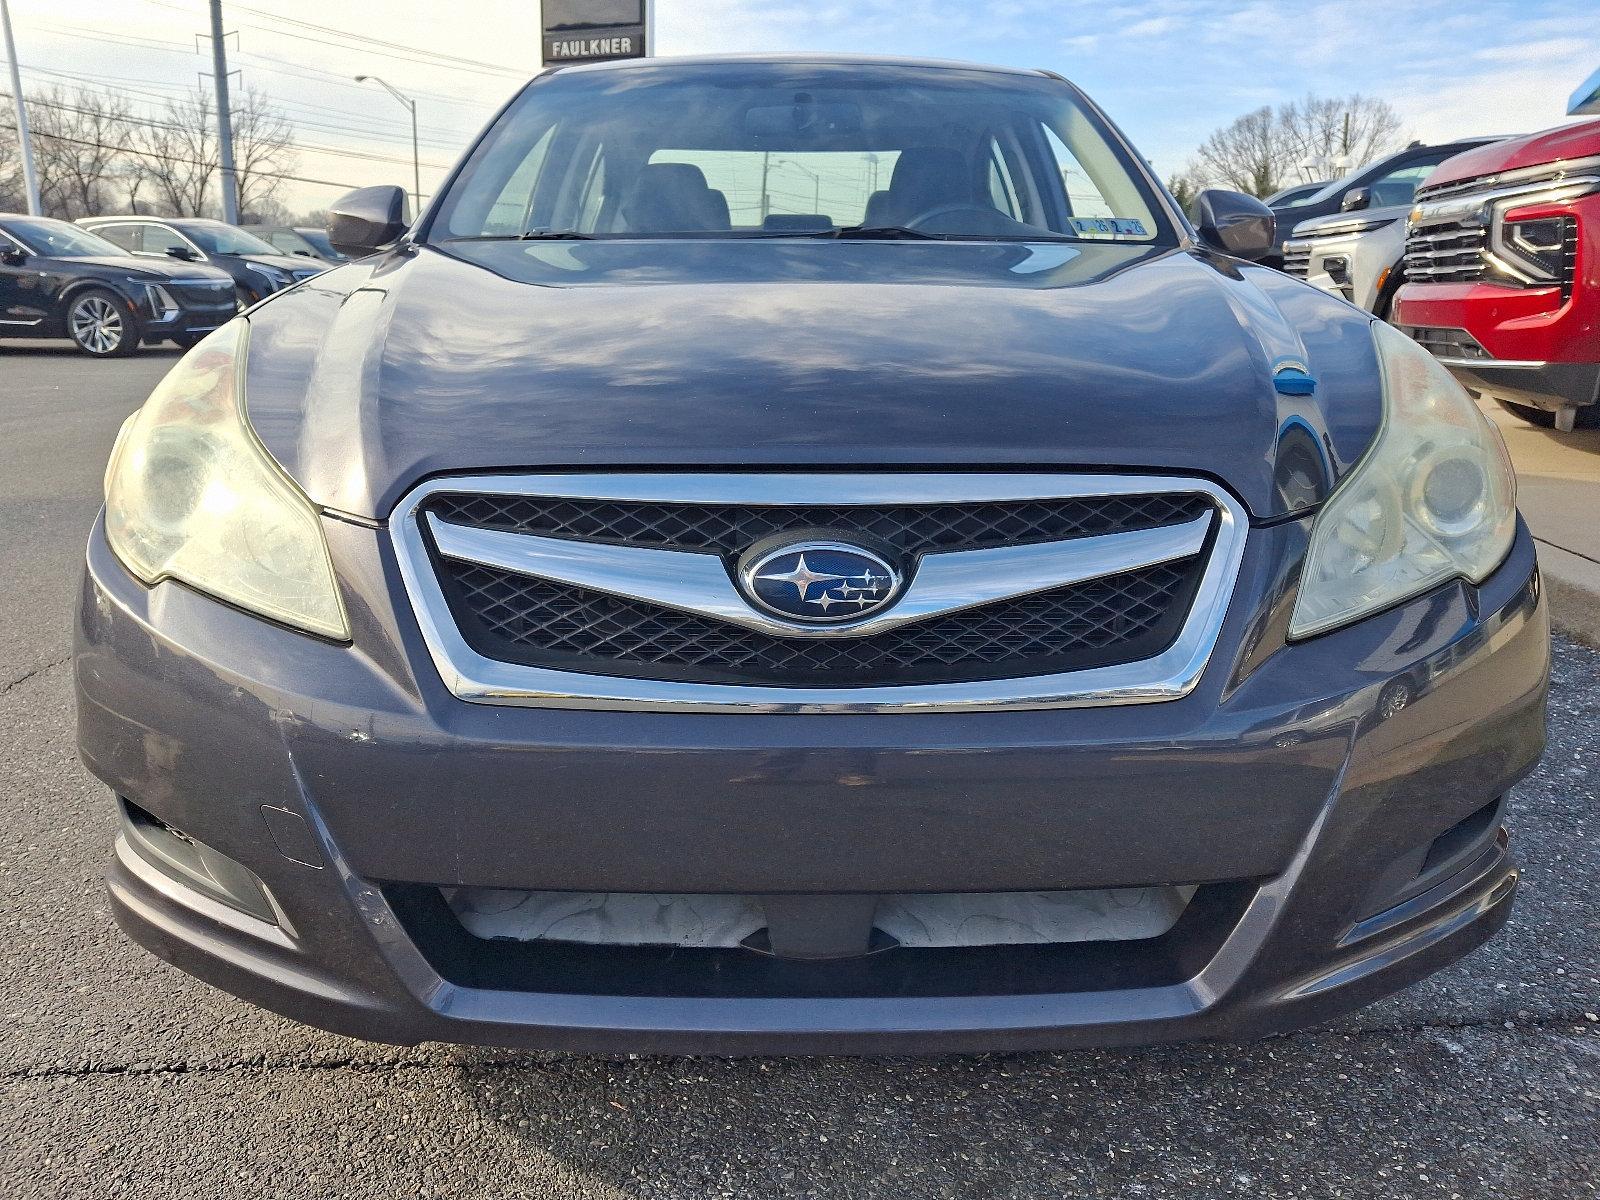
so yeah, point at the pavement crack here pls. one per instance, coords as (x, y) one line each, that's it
(1556, 1023)
(29, 674)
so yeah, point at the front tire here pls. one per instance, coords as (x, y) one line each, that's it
(187, 341)
(100, 326)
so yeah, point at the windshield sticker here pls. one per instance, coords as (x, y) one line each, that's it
(1115, 226)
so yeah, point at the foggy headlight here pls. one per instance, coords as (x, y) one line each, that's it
(1433, 500)
(192, 495)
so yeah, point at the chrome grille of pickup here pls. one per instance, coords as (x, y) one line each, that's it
(1446, 252)
(539, 622)
(1297, 258)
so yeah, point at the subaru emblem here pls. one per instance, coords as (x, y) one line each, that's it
(819, 582)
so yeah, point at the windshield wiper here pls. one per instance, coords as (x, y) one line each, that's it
(884, 233)
(553, 235)
(531, 235)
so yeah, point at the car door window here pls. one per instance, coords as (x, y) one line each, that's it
(126, 236)
(289, 243)
(1399, 186)
(158, 239)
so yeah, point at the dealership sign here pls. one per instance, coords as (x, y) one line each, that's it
(580, 31)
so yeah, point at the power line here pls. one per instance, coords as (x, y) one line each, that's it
(93, 83)
(190, 162)
(346, 36)
(263, 62)
(138, 121)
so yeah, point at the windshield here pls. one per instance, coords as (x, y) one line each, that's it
(796, 149)
(57, 239)
(216, 238)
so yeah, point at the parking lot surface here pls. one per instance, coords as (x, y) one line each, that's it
(123, 1077)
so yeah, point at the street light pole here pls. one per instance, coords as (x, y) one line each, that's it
(416, 156)
(30, 180)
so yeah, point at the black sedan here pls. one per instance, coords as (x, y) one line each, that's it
(57, 280)
(258, 268)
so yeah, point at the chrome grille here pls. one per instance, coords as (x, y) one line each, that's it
(623, 590)
(1446, 252)
(1297, 258)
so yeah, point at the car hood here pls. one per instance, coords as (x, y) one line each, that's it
(734, 354)
(1553, 146)
(1360, 221)
(154, 269)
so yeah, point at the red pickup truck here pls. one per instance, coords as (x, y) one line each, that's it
(1502, 269)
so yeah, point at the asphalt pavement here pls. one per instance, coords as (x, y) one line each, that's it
(123, 1077)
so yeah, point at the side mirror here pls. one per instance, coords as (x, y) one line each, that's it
(12, 257)
(368, 219)
(1356, 199)
(1235, 224)
(183, 252)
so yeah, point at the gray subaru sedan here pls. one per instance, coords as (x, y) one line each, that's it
(809, 555)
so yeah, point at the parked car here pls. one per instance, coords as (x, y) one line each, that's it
(1356, 254)
(1294, 195)
(59, 281)
(971, 609)
(1503, 273)
(1388, 183)
(302, 240)
(258, 269)
(1353, 255)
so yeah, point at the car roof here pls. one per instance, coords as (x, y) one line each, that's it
(1454, 147)
(798, 59)
(106, 218)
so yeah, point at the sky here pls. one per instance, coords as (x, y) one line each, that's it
(1167, 71)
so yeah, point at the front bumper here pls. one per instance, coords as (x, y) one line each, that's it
(1550, 386)
(1306, 787)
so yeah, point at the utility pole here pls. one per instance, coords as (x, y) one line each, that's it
(30, 179)
(219, 68)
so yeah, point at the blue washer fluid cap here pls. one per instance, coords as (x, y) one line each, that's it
(1292, 379)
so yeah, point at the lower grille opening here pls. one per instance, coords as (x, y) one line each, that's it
(1428, 863)
(723, 971)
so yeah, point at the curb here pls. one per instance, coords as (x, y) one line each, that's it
(1572, 583)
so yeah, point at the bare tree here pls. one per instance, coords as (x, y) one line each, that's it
(1265, 149)
(1248, 154)
(176, 156)
(263, 151)
(1342, 132)
(11, 185)
(77, 146)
